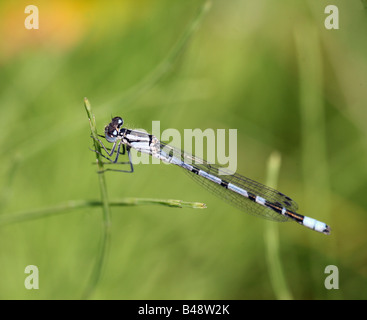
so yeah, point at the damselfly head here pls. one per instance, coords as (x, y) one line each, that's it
(111, 133)
(112, 129)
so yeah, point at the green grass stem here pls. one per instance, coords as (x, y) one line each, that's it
(5, 193)
(106, 226)
(275, 268)
(70, 206)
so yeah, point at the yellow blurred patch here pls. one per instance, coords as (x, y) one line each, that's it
(62, 24)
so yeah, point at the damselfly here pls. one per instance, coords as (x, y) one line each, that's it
(244, 193)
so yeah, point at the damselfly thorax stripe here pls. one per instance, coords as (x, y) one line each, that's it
(244, 193)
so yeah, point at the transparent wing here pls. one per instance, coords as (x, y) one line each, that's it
(234, 198)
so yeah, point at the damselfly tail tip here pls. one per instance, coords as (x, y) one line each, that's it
(327, 230)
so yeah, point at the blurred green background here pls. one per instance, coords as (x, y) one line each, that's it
(269, 69)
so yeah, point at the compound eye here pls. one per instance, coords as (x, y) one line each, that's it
(111, 135)
(117, 121)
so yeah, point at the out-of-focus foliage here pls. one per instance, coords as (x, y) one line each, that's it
(269, 69)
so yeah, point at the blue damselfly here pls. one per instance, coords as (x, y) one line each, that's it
(244, 193)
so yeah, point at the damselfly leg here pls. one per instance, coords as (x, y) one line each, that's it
(111, 151)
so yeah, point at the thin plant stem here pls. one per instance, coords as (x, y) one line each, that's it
(106, 227)
(275, 268)
(5, 194)
(70, 206)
